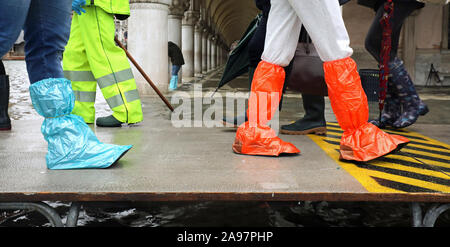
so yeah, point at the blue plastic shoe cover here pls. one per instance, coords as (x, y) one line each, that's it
(71, 143)
(173, 82)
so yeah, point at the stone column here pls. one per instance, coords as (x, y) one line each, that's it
(209, 45)
(204, 51)
(187, 39)
(149, 48)
(445, 28)
(222, 55)
(176, 13)
(213, 52)
(409, 44)
(218, 55)
(198, 49)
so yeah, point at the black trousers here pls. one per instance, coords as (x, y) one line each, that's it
(2, 68)
(375, 34)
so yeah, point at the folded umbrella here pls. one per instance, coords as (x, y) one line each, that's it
(238, 61)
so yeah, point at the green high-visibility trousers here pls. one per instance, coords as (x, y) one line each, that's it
(91, 56)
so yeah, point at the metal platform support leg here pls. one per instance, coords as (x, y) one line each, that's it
(47, 211)
(430, 216)
(74, 212)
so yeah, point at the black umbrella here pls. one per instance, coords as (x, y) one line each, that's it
(238, 61)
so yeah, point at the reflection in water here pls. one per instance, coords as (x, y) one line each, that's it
(235, 214)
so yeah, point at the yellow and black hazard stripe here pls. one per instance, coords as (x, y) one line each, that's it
(421, 166)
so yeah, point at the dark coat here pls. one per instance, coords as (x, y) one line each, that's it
(175, 54)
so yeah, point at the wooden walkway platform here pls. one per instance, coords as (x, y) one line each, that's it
(198, 164)
(180, 164)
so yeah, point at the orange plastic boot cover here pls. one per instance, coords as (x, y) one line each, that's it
(361, 141)
(254, 137)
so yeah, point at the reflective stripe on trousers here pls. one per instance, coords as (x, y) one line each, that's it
(82, 80)
(92, 58)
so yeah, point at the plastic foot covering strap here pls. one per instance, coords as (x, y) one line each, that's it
(71, 143)
(361, 141)
(254, 137)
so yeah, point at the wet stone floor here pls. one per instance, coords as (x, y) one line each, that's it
(210, 213)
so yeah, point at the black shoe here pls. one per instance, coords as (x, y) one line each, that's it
(301, 127)
(5, 121)
(314, 120)
(109, 121)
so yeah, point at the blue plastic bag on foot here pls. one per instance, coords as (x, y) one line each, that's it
(71, 143)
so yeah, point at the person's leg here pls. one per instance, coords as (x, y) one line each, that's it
(110, 66)
(287, 72)
(402, 10)
(46, 32)
(411, 103)
(2, 68)
(374, 35)
(238, 120)
(174, 79)
(407, 94)
(71, 143)
(313, 122)
(323, 21)
(392, 109)
(361, 140)
(78, 71)
(256, 45)
(176, 69)
(12, 17)
(255, 49)
(254, 137)
(5, 121)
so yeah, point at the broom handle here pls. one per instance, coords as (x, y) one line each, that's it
(144, 75)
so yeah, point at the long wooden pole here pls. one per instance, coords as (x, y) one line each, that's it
(144, 75)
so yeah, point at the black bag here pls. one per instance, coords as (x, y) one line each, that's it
(307, 74)
(370, 81)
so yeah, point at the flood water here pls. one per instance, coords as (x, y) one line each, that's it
(204, 214)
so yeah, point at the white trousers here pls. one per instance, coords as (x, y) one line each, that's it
(323, 22)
